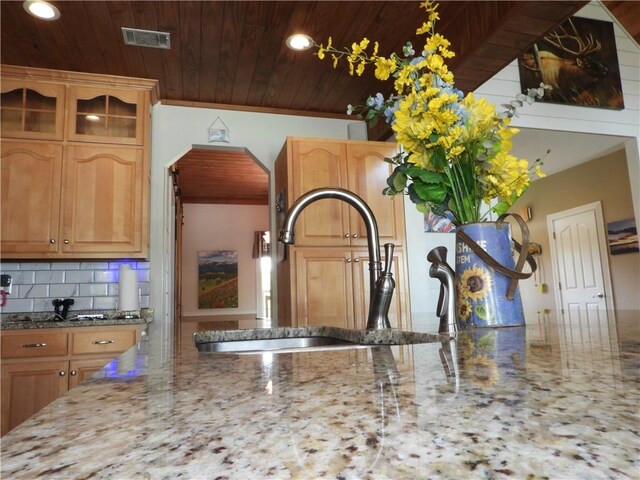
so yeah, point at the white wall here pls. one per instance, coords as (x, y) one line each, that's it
(221, 227)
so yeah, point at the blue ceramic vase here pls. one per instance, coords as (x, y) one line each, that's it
(481, 290)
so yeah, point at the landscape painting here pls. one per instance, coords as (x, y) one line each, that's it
(623, 236)
(218, 279)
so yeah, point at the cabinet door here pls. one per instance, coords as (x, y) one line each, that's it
(28, 387)
(106, 115)
(317, 164)
(102, 203)
(32, 109)
(368, 173)
(399, 314)
(324, 287)
(79, 370)
(31, 176)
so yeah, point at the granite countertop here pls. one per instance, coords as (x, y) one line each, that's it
(85, 318)
(535, 404)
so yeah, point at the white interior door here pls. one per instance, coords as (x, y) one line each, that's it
(581, 267)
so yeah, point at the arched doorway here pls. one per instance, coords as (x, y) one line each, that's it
(222, 200)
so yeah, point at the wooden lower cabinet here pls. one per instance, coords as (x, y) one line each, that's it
(27, 387)
(332, 288)
(38, 366)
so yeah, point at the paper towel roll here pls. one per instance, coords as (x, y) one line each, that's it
(128, 289)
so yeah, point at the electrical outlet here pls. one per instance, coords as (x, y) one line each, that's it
(6, 283)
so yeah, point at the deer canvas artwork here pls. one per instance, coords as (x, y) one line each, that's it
(579, 61)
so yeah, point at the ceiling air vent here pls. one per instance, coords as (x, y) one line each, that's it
(146, 38)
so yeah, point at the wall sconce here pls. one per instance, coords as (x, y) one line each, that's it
(526, 213)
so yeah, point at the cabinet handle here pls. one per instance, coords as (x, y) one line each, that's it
(357, 259)
(355, 235)
(52, 240)
(348, 260)
(346, 235)
(73, 373)
(34, 345)
(103, 342)
(66, 242)
(62, 373)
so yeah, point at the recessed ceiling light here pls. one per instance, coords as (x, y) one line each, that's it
(41, 9)
(299, 42)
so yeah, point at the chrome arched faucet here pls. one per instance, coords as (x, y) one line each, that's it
(381, 282)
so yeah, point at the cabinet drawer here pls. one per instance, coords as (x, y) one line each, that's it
(34, 344)
(102, 341)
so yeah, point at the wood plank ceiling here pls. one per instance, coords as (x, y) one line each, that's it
(231, 54)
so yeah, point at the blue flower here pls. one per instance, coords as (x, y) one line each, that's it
(376, 101)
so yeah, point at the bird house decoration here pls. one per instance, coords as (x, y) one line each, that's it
(219, 132)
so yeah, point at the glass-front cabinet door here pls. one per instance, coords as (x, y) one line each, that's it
(105, 115)
(32, 110)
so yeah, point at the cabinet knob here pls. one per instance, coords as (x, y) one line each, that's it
(346, 235)
(62, 373)
(66, 242)
(52, 240)
(357, 259)
(348, 260)
(355, 235)
(73, 373)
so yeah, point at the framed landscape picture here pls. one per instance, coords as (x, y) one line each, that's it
(579, 60)
(218, 279)
(622, 236)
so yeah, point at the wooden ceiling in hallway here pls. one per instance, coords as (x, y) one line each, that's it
(231, 54)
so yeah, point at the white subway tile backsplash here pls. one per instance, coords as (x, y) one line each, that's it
(105, 276)
(93, 290)
(65, 266)
(92, 285)
(17, 305)
(64, 290)
(48, 276)
(143, 275)
(35, 266)
(4, 266)
(80, 276)
(94, 265)
(105, 303)
(33, 291)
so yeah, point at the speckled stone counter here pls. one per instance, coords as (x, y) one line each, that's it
(90, 318)
(492, 404)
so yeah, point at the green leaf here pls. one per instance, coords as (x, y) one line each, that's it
(429, 192)
(424, 175)
(439, 159)
(399, 181)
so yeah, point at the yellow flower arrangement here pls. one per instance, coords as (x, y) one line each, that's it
(454, 151)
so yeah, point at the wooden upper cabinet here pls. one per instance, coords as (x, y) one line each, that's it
(32, 109)
(315, 165)
(368, 173)
(106, 115)
(355, 166)
(102, 203)
(30, 174)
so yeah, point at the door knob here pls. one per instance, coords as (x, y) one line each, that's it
(599, 295)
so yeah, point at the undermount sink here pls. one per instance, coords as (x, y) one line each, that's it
(303, 338)
(263, 344)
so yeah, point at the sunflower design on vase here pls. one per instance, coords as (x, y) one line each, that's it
(474, 288)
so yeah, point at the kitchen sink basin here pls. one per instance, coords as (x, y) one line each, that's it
(303, 338)
(264, 344)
